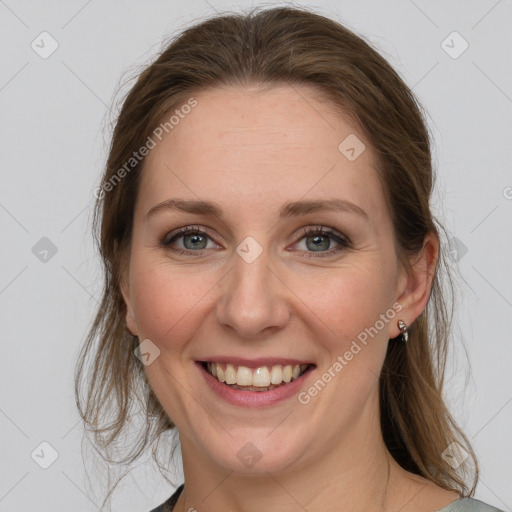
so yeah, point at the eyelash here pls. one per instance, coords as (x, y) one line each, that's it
(343, 241)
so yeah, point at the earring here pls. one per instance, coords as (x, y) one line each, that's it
(403, 330)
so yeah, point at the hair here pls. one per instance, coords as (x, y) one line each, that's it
(280, 46)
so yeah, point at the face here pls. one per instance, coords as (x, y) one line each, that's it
(263, 280)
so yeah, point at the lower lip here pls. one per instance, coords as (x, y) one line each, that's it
(254, 398)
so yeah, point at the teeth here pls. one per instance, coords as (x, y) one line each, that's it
(243, 376)
(230, 374)
(276, 375)
(259, 377)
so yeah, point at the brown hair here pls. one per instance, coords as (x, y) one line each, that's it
(267, 47)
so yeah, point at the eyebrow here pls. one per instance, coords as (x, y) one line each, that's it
(290, 209)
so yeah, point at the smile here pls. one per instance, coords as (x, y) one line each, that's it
(262, 378)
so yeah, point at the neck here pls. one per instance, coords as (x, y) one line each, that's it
(355, 472)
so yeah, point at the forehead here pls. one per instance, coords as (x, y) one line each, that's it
(258, 148)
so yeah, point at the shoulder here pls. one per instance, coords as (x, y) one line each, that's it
(168, 506)
(469, 505)
(460, 505)
(431, 496)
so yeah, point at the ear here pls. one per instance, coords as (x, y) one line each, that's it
(416, 283)
(131, 322)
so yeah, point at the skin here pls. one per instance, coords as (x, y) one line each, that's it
(251, 150)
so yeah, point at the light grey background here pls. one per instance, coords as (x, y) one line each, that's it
(54, 134)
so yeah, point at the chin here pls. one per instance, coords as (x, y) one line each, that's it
(256, 453)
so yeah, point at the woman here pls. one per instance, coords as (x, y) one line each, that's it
(273, 276)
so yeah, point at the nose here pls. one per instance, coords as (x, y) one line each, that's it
(253, 298)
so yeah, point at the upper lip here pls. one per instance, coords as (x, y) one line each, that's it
(254, 363)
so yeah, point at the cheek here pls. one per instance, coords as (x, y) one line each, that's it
(350, 328)
(356, 314)
(350, 300)
(168, 301)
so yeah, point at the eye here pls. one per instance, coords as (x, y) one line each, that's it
(319, 239)
(193, 240)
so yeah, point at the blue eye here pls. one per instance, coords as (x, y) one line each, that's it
(194, 239)
(318, 240)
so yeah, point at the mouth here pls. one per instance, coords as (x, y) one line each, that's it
(260, 379)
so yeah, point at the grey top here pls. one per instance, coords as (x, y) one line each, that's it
(461, 505)
(469, 505)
